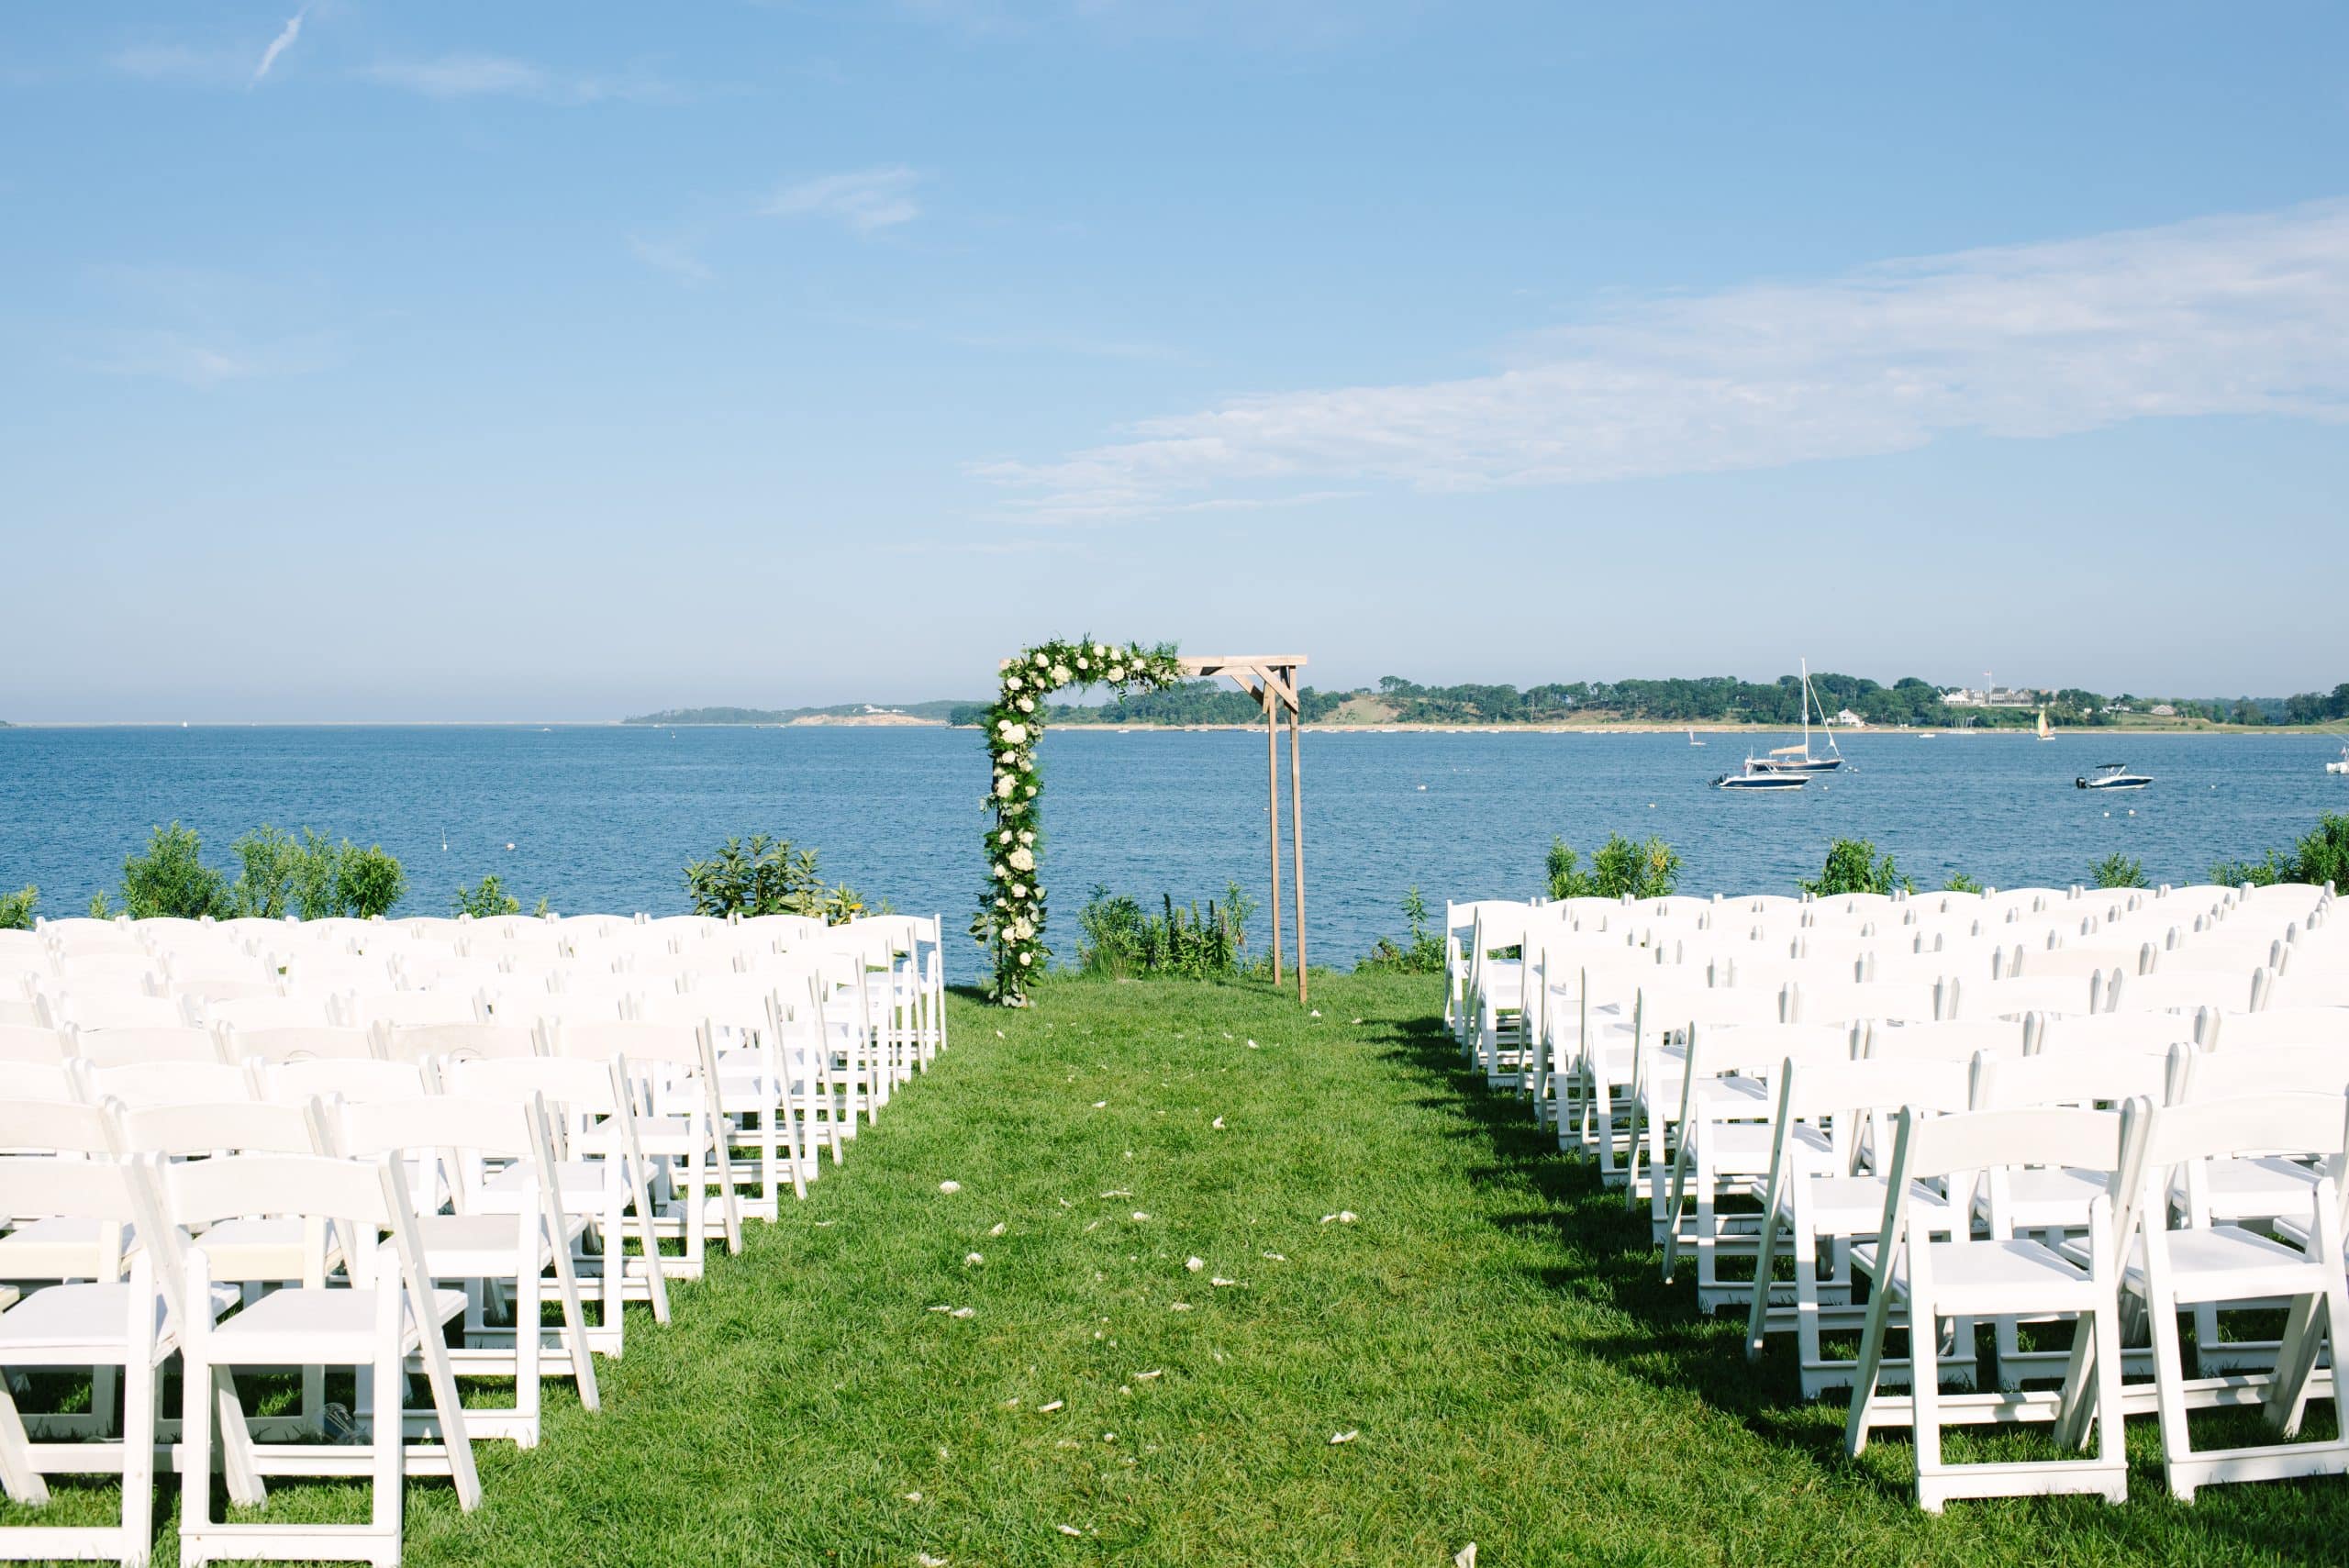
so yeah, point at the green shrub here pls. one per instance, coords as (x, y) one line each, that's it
(1118, 941)
(367, 882)
(1649, 868)
(485, 900)
(2117, 870)
(1960, 882)
(1424, 955)
(17, 909)
(1852, 866)
(765, 876)
(171, 880)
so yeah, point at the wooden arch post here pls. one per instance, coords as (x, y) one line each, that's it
(1271, 678)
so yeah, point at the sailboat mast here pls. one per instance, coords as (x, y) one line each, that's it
(1806, 708)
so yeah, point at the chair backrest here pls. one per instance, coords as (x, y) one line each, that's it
(371, 1196)
(93, 1010)
(296, 1082)
(1975, 1144)
(455, 1041)
(126, 1047)
(2179, 988)
(30, 1043)
(1948, 1040)
(2276, 1068)
(411, 1009)
(50, 1128)
(2221, 1030)
(2056, 1034)
(1855, 1001)
(46, 1083)
(310, 1010)
(301, 1044)
(1761, 1049)
(249, 1126)
(161, 1082)
(1681, 1004)
(2087, 1076)
(1981, 1000)
(584, 1087)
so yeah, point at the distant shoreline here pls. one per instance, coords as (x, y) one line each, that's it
(2115, 732)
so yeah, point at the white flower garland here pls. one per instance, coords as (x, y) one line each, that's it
(1011, 920)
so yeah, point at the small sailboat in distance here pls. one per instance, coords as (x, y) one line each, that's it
(2044, 733)
(1692, 739)
(1798, 759)
(2341, 767)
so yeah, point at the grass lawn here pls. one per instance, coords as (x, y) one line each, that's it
(1489, 1327)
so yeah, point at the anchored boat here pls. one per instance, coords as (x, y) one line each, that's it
(2113, 775)
(1757, 777)
(1798, 759)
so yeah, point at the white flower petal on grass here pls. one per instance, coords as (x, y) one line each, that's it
(1048, 1410)
(1347, 1216)
(1216, 1124)
(1070, 1529)
(913, 1497)
(999, 1229)
(973, 1259)
(1092, 1228)
(963, 1312)
(941, 1309)
(1146, 1376)
(1194, 1265)
(1180, 1307)
(949, 1188)
(1251, 1045)
(1466, 1557)
(1277, 1257)
(1220, 1281)
(1100, 1105)
(1326, 1218)
(1345, 1437)
(1012, 1404)
(1141, 1215)
(924, 1560)
(1117, 1191)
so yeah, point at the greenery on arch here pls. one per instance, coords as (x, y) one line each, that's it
(1010, 919)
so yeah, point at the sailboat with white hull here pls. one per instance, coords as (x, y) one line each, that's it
(1798, 759)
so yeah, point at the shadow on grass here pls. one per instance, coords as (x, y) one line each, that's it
(1605, 1255)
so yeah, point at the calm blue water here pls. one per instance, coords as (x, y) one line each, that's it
(604, 818)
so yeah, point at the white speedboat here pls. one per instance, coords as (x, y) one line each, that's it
(2113, 775)
(1757, 777)
(1798, 759)
(2341, 767)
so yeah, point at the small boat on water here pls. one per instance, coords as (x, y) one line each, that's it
(2113, 775)
(1757, 777)
(2044, 733)
(1798, 759)
(2341, 767)
(1694, 742)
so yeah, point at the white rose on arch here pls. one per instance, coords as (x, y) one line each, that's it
(1027, 705)
(1117, 673)
(1061, 676)
(1022, 859)
(1004, 786)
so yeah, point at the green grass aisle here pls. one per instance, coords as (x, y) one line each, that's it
(1487, 1326)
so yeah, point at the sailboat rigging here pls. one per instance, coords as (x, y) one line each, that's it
(1798, 759)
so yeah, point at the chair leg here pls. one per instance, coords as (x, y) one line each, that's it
(138, 1454)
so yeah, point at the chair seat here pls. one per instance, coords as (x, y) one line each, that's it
(326, 1327)
(583, 1185)
(2257, 1187)
(55, 1249)
(260, 1250)
(483, 1246)
(2052, 1198)
(1746, 1146)
(1854, 1206)
(2225, 1262)
(2012, 1276)
(77, 1318)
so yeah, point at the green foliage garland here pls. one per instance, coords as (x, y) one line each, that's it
(1010, 919)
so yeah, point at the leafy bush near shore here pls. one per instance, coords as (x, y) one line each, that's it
(1647, 869)
(2117, 870)
(1960, 882)
(1853, 866)
(486, 900)
(17, 909)
(279, 874)
(1119, 941)
(2322, 856)
(1424, 953)
(767, 877)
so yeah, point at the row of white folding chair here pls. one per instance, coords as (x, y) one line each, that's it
(383, 1320)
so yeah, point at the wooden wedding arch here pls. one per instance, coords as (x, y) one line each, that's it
(1271, 678)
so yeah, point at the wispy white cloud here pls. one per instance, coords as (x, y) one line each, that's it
(670, 256)
(2233, 315)
(203, 328)
(461, 75)
(863, 199)
(280, 44)
(201, 359)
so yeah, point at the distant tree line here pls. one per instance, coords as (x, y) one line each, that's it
(1707, 699)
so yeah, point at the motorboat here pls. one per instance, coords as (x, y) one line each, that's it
(1798, 759)
(2113, 775)
(2341, 767)
(1757, 777)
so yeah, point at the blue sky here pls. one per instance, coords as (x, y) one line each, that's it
(365, 360)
